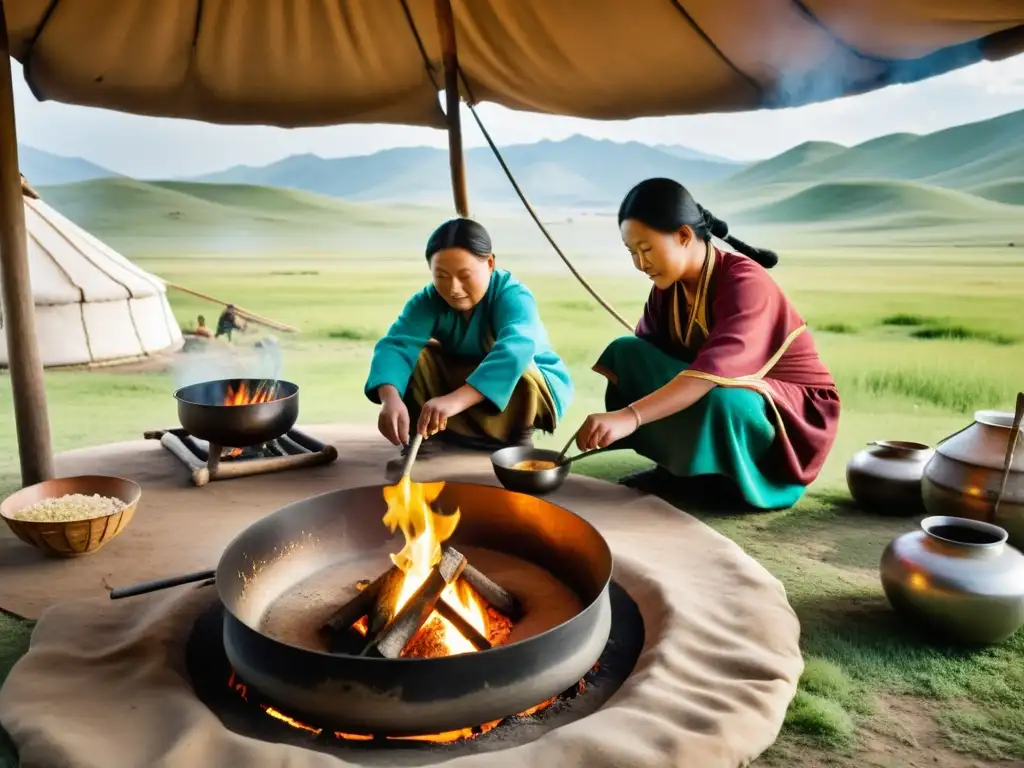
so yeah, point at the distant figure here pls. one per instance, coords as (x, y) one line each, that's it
(202, 329)
(229, 322)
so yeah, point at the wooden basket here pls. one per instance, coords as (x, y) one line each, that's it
(76, 537)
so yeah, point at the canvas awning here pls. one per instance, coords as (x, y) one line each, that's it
(317, 62)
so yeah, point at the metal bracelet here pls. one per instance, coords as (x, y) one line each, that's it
(636, 413)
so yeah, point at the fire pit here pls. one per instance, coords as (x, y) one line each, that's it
(240, 427)
(496, 603)
(244, 710)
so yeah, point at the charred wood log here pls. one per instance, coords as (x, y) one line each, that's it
(496, 596)
(465, 629)
(363, 604)
(392, 640)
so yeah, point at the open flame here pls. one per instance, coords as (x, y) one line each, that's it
(263, 392)
(410, 509)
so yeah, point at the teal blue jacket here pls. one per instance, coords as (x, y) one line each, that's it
(507, 312)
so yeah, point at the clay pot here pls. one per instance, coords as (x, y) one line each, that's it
(964, 476)
(959, 577)
(885, 477)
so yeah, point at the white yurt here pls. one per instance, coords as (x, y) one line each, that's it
(93, 306)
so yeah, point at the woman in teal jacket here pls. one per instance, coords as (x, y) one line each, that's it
(468, 359)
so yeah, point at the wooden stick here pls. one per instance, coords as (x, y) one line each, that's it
(360, 605)
(392, 641)
(200, 448)
(499, 598)
(292, 447)
(466, 629)
(243, 312)
(385, 602)
(25, 364)
(306, 441)
(453, 103)
(200, 472)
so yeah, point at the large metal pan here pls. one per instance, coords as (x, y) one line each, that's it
(203, 413)
(409, 696)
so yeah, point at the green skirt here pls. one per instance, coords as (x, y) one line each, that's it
(728, 432)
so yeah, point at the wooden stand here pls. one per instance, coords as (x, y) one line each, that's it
(205, 462)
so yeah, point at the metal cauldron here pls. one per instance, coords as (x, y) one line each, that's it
(976, 473)
(885, 477)
(203, 413)
(958, 577)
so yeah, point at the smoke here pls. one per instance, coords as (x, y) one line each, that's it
(213, 361)
(835, 69)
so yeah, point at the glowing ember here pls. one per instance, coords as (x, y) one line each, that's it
(409, 508)
(264, 392)
(445, 737)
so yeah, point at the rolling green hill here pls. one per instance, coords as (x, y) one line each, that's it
(173, 216)
(871, 200)
(1010, 191)
(955, 158)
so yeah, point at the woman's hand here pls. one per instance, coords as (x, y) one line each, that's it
(435, 414)
(393, 421)
(602, 429)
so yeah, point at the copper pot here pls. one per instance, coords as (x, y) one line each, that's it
(885, 477)
(958, 577)
(965, 477)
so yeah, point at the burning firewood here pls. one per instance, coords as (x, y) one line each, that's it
(466, 629)
(364, 604)
(497, 596)
(392, 641)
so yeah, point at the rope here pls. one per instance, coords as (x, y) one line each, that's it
(533, 214)
(431, 72)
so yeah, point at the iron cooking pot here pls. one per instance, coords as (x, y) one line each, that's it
(411, 696)
(534, 481)
(203, 413)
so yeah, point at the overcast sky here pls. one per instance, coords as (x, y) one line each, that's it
(151, 148)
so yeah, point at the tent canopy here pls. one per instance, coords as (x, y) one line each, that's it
(317, 62)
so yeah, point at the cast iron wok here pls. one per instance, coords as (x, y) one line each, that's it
(202, 412)
(408, 696)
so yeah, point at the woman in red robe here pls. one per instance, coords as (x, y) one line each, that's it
(722, 377)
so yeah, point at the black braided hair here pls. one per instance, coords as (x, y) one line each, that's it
(667, 206)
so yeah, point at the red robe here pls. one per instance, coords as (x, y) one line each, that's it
(741, 331)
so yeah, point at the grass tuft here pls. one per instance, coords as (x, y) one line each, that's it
(962, 333)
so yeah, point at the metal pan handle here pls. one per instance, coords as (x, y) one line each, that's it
(159, 584)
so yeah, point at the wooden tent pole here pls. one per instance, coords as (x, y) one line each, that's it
(450, 58)
(25, 364)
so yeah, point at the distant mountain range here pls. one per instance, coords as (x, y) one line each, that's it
(44, 168)
(575, 172)
(964, 183)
